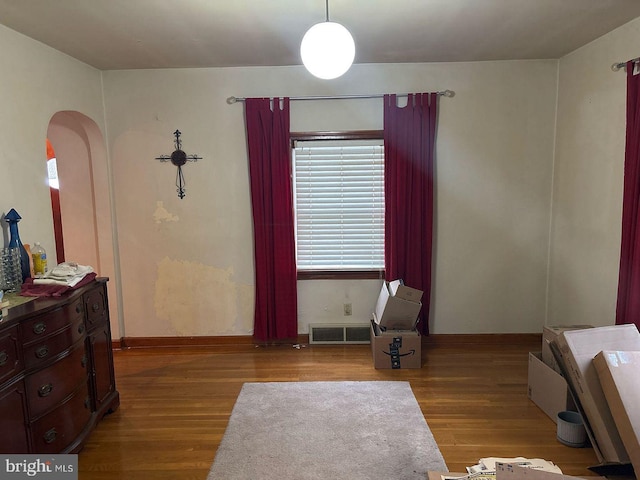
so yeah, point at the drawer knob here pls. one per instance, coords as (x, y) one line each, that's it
(50, 436)
(95, 307)
(84, 361)
(81, 328)
(87, 403)
(42, 351)
(3, 358)
(39, 328)
(78, 308)
(45, 390)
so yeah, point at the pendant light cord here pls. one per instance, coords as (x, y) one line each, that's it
(327, 3)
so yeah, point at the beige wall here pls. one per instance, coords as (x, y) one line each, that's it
(588, 179)
(38, 82)
(187, 266)
(503, 261)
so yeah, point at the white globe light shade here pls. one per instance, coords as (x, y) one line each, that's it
(327, 50)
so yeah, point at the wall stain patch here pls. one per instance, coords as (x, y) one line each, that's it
(197, 299)
(162, 214)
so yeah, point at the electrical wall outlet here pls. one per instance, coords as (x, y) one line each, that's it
(347, 309)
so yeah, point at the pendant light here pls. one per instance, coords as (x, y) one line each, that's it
(327, 49)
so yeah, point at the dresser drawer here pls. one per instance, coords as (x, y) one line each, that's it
(51, 385)
(59, 428)
(43, 325)
(95, 303)
(50, 346)
(10, 362)
(14, 438)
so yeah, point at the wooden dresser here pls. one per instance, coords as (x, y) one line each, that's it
(56, 371)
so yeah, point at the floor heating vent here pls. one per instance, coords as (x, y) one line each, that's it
(350, 333)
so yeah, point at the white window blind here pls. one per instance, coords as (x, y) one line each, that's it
(339, 202)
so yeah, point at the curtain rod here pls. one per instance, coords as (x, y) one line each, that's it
(446, 93)
(621, 65)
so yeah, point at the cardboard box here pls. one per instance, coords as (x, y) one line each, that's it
(578, 347)
(395, 349)
(619, 373)
(514, 471)
(396, 308)
(399, 290)
(550, 334)
(547, 388)
(433, 475)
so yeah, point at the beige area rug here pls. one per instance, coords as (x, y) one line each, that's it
(326, 430)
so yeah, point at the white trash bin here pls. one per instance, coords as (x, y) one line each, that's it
(571, 431)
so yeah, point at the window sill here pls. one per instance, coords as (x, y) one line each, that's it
(340, 275)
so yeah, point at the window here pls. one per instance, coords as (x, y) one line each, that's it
(52, 171)
(339, 204)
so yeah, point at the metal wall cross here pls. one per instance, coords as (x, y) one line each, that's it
(179, 158)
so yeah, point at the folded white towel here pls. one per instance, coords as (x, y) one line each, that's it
(72, 282)
(69, 270)
(66, 273)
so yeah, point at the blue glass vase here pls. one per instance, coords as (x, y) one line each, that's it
(13, 218)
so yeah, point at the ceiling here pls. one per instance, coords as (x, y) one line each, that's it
(141, 34)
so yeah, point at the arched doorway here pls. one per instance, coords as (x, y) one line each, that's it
(72, 147)
(78, 222)
(85, 211)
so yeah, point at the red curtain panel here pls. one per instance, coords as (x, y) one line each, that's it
(409, 145)
(267, 124)
(628, 308)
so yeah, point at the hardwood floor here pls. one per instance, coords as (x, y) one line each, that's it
(175, 404)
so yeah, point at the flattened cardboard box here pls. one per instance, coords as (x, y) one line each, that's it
(619, 373)
(578, 347)
(395, 308)
(547, 388)
(513, 471)
(394, 349)
(550, 334)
